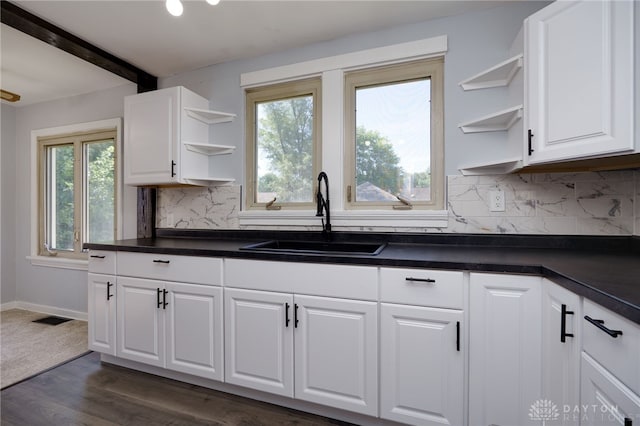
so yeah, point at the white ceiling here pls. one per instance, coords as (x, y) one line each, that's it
(144, 34)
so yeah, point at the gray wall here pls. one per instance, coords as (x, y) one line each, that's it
(476, 41)
(7, 204)
(60, 288)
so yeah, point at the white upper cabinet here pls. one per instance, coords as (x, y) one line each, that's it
(579, 73)
(167, 138)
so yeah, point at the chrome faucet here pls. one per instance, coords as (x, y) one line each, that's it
(322, 203)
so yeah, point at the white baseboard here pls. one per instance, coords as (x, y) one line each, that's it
(43, 309)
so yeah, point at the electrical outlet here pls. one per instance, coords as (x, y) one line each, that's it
(496, 201)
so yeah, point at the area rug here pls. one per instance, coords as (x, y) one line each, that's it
(29, 348)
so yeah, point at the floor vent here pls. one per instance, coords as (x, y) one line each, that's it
(51, 320)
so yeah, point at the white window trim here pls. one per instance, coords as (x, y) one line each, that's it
(332, 70)
(51, 261)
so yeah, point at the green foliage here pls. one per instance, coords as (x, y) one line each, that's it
(101, 187)
(285, 138)
(422, 179)
(376, 161)
(63, 196)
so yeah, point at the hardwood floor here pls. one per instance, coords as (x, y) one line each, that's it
(86, 392)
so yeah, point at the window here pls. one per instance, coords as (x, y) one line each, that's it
(283, 144)
(394, 137)
(77, 191)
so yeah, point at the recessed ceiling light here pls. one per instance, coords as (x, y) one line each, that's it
(174, 7)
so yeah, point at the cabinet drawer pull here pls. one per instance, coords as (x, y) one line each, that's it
(159, 292)
(600, 324)
(161, 261)
(109, 295)
(97, 256)
(420, 280)
(563, 323)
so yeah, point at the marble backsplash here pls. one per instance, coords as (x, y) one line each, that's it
(589, 203)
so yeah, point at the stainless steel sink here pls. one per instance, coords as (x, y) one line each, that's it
(317, 247)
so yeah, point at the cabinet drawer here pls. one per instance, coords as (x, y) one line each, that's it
(618, 355)
(443, 289)
(102, 262)
(187, 269)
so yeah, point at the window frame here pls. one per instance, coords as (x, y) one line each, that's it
(432, 69)
(80, 262)
(275, 92)
(332, 69)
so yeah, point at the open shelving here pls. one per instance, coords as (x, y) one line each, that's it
(496, 122)
(496, 76)
(209, 149)
(208, 116)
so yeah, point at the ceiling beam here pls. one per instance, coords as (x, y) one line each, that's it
(34, 26)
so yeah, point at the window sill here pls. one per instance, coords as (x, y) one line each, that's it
(355, 218)
(62, 263)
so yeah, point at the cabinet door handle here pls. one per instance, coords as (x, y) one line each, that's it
(164, 299)
(458, 336)
(159, 292)
(109, 295)
(420, 280)
(530, 136)
(295, 315)
(628, 421)
(600, 324)
(286, 314)
(173, 169)
(97, 256)
(563, 323)
(161, 261)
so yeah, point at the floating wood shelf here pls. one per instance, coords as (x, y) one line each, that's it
(209, 149)
(499, 75)
(209, 117)
(496, 122)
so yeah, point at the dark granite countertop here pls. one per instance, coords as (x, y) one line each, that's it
(603, 269)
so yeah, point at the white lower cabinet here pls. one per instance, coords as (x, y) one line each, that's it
(259, 340)
(421, 365)
(605, 400)
(561, 343)
(172, 325)
(505, 365)
(326, 346)
(102, 313)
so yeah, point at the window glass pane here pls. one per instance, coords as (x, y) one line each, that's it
(285, 150)
(60, 197)
(99, 192)
(393, 141)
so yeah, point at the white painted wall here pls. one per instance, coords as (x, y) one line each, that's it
(476, 41)
(7, 204)
(63, 289)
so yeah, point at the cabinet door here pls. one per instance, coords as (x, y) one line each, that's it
(336, 347)
(140, 321)
(421, 365)
(505, 335)
(101, 313)
(151, 135)
(259, 340)
(194, 329)
(580, 79)
(604, 399)
(561, 314)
